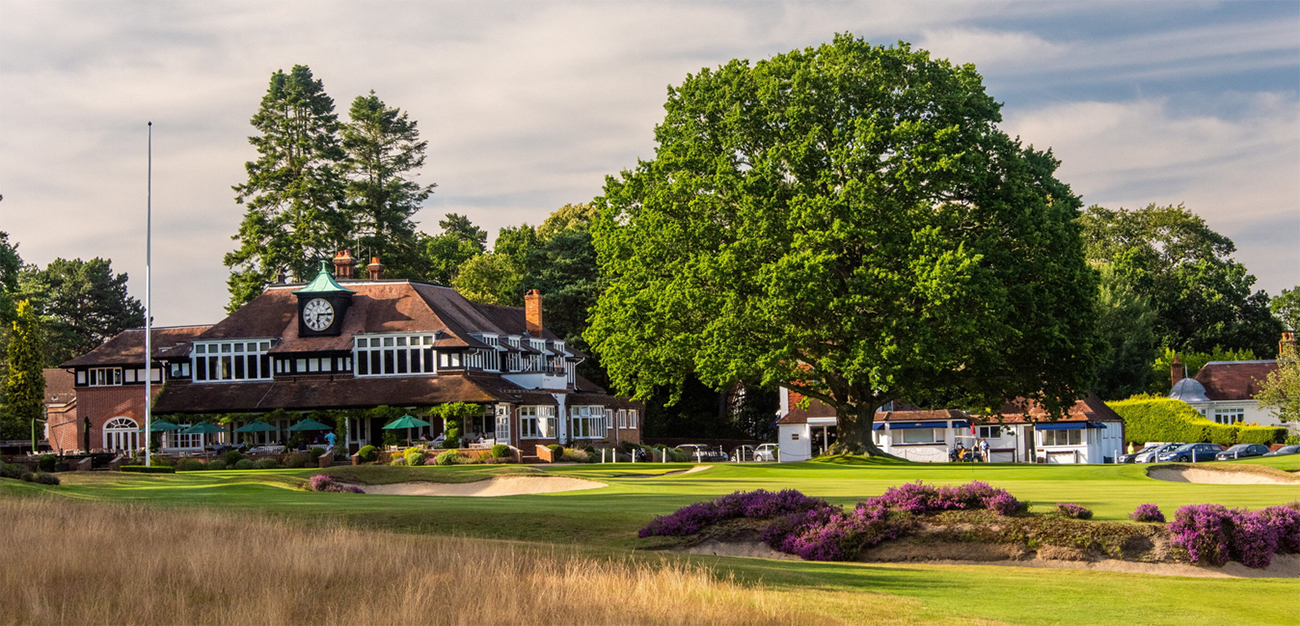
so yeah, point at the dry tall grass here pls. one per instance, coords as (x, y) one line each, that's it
(92, 563)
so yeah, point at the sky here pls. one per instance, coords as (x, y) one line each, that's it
(528, 106)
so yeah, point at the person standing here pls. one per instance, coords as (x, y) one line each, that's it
(984, 450)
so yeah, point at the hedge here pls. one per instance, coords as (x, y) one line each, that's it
(1166, 419)
(146, 469)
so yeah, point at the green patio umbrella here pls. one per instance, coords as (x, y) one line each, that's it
(309, 424)
(256, 426)
(203, 428)
(161, 426)
(408, 422)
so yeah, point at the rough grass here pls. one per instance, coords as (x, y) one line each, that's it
(95, 563)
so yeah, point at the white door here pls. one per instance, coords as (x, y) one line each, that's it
(120, 434)
(503, 424)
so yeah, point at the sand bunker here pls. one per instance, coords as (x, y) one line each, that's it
(497, 486)
(1210, 475)
(1283, 566)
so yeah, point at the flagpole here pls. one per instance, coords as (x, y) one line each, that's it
(148, 312)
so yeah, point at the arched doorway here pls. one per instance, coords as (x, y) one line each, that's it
(121, 433)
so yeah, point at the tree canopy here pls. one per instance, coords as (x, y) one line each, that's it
(384, 151)
(81, 305)
(846, 221)
(1287, 308)
(1202, 298)
(294, 188)
(25, 381)
(1126, 325)
(1280, 391)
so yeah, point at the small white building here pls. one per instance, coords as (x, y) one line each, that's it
(1224, 391)
(1091, 433)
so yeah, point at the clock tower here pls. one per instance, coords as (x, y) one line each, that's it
(322, 303)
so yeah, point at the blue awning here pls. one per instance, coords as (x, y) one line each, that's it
(1068, 426)
(960, 424)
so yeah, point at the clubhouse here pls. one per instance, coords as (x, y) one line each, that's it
(340, 342)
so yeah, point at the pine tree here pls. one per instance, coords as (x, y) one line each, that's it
(383, 150)
(81, 305)
(25, 384)
(293, 190)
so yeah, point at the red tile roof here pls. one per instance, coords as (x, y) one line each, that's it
(127, 347)
(1234, 380)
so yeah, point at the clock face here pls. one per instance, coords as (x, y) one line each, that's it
(318, 314)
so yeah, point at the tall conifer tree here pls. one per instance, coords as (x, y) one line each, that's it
(25, 384)
(384, 151)
(294, 188)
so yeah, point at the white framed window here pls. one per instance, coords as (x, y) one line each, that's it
(104, 377)
(613, 418)
(1230, 415)
(217, 361)
(588, 421)
(121, 433)
(393, 355)
(180, 370)
(632, 420)
(916, 435)
(536, 422)
(449, 360)
(990, 432)
(1062, 437)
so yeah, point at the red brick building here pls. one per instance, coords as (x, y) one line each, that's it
(344, 343)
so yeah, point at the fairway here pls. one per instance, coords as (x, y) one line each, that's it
(605, 521)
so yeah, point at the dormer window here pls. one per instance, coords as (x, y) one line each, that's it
(394, 355)
(219, 361)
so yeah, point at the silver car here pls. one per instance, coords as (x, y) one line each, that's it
(767, 453)
(1149, 455)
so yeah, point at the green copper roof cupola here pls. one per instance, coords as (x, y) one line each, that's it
(322, 304)
(323, 283)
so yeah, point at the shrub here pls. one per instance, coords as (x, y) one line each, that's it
(47, 462)
(267, 463)
(368, 454)
(1254, 538)
(1204, 530)
(296, 461)
(43, 478)
(414, 456)
(843, 535)
(315, 454)
(555, 448)
(918, 498)
(1292, 440)
(217, 464)
(11, 470)
(1147, 513)
(501, 451)
(144, 469)
(757, 504)
(244, 464)
(1071, 510)
(323, 483)
(233, 457)
(447, 457)
(573, 455)
(189, 465)
(629, 447)
(398, 460)
(1286, 519)
(1166, 419)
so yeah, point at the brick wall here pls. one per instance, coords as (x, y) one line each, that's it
(100, 404)
(64, 429)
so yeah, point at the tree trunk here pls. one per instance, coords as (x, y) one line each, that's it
(853, 432)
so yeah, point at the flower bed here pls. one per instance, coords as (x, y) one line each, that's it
(1215, 534)
(819, 531)
(321, 482)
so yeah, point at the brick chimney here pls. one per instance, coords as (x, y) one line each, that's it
(343, 264)
(375, 269)
(1177, 371)
(533, 312)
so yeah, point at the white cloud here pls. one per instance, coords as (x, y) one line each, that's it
(1239, 174)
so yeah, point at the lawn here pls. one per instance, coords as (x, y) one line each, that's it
(604, 521)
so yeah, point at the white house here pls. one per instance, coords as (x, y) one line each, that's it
(1091, 433)
(1224, 391)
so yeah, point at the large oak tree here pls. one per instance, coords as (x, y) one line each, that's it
(849, 222)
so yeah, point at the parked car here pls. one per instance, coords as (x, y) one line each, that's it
(1153, 451)
(767, 453)
(1191, 453)
(1284, 450)
(742, 454)
(702, 453)
(1241, 451)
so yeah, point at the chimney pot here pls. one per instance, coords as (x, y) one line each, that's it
(343, 264)
(533, 312)
(375, 269)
